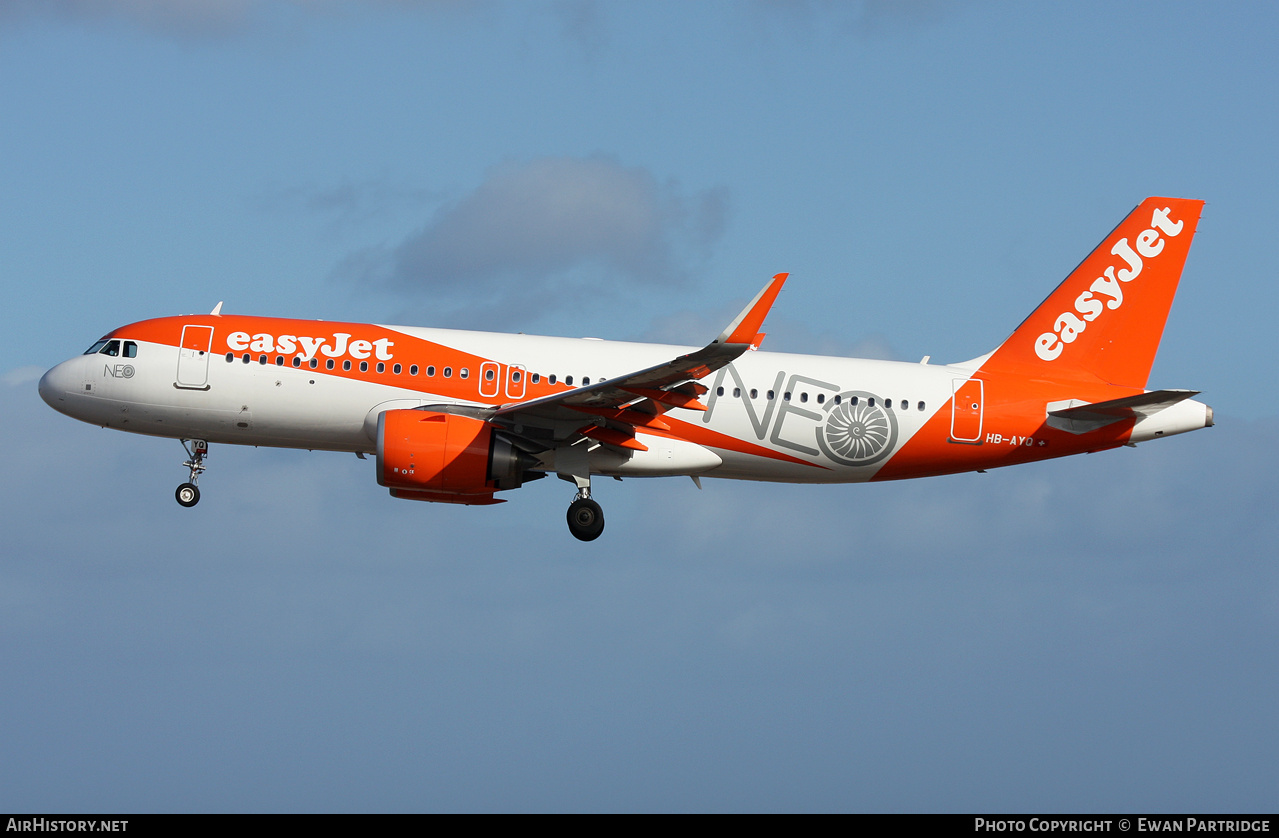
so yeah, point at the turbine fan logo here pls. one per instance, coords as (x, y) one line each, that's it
(858, 431)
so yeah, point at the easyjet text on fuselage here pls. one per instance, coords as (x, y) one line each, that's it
(308, 346)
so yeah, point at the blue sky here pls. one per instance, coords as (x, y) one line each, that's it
(1093, 634)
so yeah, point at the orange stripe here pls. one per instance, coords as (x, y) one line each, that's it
(1013, 412)
(714, 439)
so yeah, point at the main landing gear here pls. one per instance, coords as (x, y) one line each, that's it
(585, 517)
(188, 494)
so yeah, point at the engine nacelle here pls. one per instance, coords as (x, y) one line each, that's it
(424, 455)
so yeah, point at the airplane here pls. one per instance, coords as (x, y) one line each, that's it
(458, 416)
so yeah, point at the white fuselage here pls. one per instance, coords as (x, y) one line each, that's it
(775, 401)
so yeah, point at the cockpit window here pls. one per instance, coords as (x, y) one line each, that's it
(93, 350)
(112, 348)
(130, 349)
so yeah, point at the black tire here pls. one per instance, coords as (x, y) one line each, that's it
(188, 494)
(585, 519)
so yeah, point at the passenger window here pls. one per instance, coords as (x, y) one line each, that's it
(314, 363)
(838, 399)
(586, 380)
(381, 367)
(262, 360)
(821, 398)
(297, 360)
(803, 397)
(921, 405)
(230, 356)
(364, 366)
(462, 373)
(130, 349)
(754, 393)
(246, 357)
(551, 380)
(786, 396)
(853, 400)
(771, 395)
(448, 372)
(279, 360)
(737, 392)
(888, 403)
(489, 374)
(719, 391)
(329, 364)
(536, 377)
(396, 369)
(346, 366)
(871, 401)
(413, 369)
(430, 371)
(568, 379)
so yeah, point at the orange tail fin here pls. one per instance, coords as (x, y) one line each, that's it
(1106, 318)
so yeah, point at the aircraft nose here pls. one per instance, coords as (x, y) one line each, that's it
(54, 385)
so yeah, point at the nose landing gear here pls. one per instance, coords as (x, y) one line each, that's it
(585, 517)
(188, 494)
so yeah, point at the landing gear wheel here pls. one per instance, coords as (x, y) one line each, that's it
(585, 519)
(188, 494)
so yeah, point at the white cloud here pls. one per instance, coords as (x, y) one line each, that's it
(533, 234)
(556, 213)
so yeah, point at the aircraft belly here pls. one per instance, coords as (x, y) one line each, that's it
(665, 457)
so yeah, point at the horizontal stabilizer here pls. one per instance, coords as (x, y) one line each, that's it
(1081, 417)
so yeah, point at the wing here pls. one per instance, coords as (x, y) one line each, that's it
(610, 411)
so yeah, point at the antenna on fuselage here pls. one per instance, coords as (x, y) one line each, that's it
(217, 309)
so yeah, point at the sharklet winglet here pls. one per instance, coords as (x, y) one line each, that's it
(745, 328)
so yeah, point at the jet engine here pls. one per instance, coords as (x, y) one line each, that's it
(423, 455)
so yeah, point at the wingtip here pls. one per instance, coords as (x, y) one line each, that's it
(746, 328)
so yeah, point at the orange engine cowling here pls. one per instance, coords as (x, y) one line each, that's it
(422, 455)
